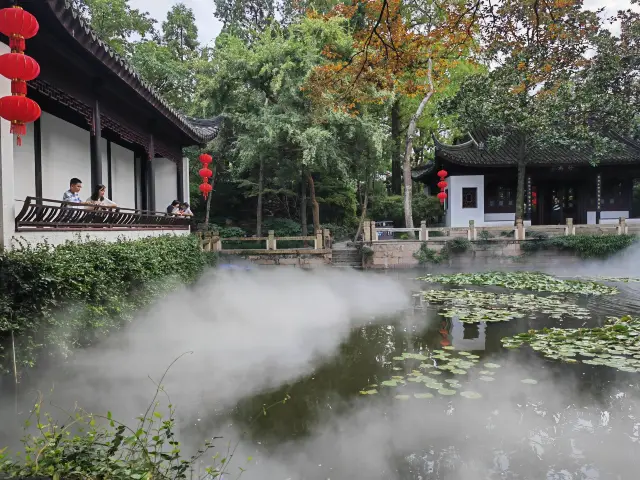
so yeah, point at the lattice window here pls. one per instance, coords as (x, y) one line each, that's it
(470, 197)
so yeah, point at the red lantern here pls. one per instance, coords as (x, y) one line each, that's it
(19, 25)
(442, 185)
(206, 189)
(442, 173)
(206, 159)
(205, 173)
(442, 196)
(18, 66)
(19, 110)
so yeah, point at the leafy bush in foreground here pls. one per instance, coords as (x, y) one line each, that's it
(57, 299)
(586, 246)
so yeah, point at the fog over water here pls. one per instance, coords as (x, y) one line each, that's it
(269, 333)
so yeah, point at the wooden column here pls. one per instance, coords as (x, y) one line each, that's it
(151, 181)
(96, 152)
(528, 199)
(598, 197)
(37, 148)
(110, 172)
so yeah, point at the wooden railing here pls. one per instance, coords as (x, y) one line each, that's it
(517, 232)
(45, 214)
(212, 242)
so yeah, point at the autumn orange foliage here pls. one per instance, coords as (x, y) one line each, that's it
(389, 55)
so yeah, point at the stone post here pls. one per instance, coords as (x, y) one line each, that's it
(366, 231)
(318, 241)
(374, 232)
(271, 240)
(424, 233)
(326, 235)
(569, 229)
(519, 230)
(472, 234)
(218, 244)
(622, 228)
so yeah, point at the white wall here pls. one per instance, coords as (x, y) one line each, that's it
(185, 180)
(58, 238)
(461, 343)
(123, 176)
(7, 140)
(24, 168)
(610, 217)
(458, 216)
(66, 153)
(166, 182)
(104, 163)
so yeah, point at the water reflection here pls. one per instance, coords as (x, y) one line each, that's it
(580, 422)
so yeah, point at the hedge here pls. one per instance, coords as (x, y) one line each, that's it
(585, 246)
(58, 299)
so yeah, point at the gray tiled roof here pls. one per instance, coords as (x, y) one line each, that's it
(200, 130)
(473, 153)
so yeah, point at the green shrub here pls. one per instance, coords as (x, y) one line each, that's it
(392, 208)
(585, 246)
(283, 227)
(457, 245)
(428, 255)
(593, 246)
(57, 299)
(340, 232)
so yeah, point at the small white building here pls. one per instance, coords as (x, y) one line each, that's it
(482, 184)
(100, 123)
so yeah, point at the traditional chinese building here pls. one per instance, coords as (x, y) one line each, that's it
(100, 123)
(482, 183)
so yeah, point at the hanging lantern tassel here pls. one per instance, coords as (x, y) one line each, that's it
(206, 189)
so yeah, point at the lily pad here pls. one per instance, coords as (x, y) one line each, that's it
(612, 345)
(368, 392)
(446, 392)
(529, 381)
(486, 379)
(492, 365)
(390, 383)
(538, 282)
(470, 395)
(402, 397)
(423, 395)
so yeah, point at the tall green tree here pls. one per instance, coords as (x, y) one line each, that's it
(180, 32)
(245, 19)
(529, 96)
(115, 22)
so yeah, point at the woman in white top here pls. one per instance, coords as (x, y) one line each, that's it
(99, 199)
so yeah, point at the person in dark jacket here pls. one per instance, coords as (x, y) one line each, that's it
(556, 212)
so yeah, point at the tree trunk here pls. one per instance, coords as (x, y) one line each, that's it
(303, 207)
(363, 215)
(314, 203)
(406, 166)
(260, 191)
(521, 179)
(396, 151)
(208, 209)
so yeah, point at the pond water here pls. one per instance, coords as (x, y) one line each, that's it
(500, 414)
(424, 394)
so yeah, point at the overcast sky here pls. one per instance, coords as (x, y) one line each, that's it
(209, 26)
